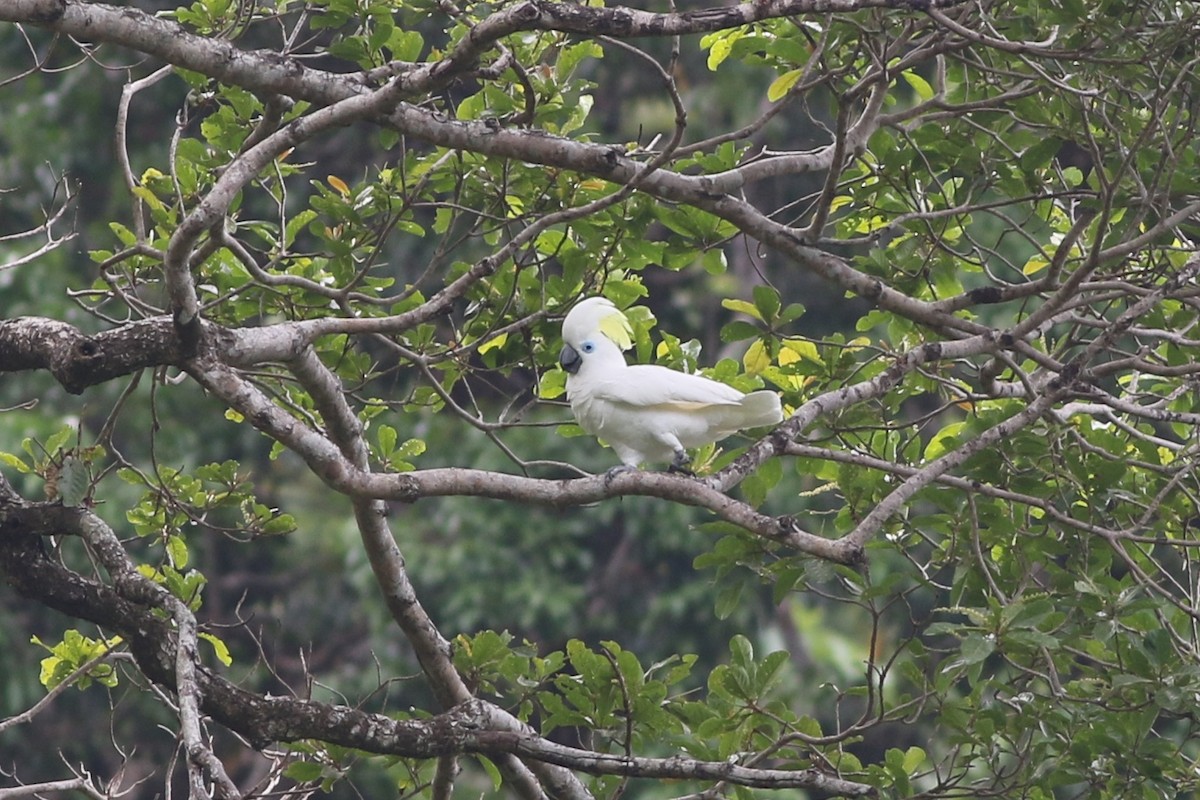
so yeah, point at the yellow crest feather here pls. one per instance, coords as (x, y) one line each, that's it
(616, 327)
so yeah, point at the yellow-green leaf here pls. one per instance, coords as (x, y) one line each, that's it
(757, 358)
(944, 440)
(493, 343)
(220, 649)
(15, 462)
(552, 385)
(1034, 265)
(919, 84)
(803, 348)
(742, 307)
(177, 551)
(720, 45)
(913, 758)
(783, 84)
(338, 184)
(148, 197)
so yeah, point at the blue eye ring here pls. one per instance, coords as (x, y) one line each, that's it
(587, 347)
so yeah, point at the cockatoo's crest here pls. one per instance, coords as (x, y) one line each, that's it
(598, 313)
(616, 327)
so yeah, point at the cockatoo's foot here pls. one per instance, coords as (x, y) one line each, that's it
(681, 464)
(613, 472)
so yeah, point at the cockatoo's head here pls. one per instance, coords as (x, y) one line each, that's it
(595, 327)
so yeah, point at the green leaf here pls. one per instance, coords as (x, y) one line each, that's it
(304, 771)
(1040, 153)
(714, 262)
(914, 757)
(74, 481)
(738, 330)
(492, 771)
(72, 653)
(279, 524)
(771, 670)
(411, 448)
(944, 440)
(570, 57)
(387, 438)
(405, 45)
(54, 442)
(766, 300)
(148, 196)
(975, 648)
(741, 650)
(728, 599)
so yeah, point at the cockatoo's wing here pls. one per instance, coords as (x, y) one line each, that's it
(651, 385)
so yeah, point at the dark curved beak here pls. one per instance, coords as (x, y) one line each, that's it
(569, 359)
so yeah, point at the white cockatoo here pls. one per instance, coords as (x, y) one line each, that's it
(647, 412)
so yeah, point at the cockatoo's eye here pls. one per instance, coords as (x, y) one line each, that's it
(587, 347)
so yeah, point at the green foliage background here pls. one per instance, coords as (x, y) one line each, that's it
(998, 643)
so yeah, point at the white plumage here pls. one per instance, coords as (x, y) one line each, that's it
(647, 412)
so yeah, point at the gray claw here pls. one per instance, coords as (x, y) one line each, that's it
(613, 472)
(680, 464)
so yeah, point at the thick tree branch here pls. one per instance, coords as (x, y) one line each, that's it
(77, 360)
(623, 22)
(673, 768)
(79, 784)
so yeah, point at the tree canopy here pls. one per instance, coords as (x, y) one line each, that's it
(282, 286)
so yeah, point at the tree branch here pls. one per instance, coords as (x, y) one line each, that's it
(77, 360)
(675, 768)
